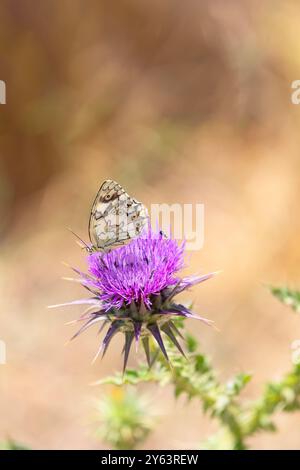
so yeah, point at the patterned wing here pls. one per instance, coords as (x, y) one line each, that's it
(115, 217)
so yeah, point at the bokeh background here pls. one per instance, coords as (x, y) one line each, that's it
(179, 102)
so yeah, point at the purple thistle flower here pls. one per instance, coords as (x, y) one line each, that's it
(133, 289)
(137, 272)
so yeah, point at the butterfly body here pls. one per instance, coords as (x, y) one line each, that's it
(115, 217)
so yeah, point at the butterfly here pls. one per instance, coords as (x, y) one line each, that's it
(115, 217)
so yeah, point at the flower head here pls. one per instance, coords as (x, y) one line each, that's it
(133, 289)
(137, 272)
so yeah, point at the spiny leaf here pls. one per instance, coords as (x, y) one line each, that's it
(157, 336)
(129, 335)
(166, 328)
(145, 341)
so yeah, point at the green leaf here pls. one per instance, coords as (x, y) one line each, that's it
(191, 343)
(235, 386)
(11, 444)
(125, 418)
(133, 377)
(287, 296)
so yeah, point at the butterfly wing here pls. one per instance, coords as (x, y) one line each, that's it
(102, 206)
(115, 216)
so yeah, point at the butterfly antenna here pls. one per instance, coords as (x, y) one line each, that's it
(80, 239)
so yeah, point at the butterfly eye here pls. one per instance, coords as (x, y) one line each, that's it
(107, 197)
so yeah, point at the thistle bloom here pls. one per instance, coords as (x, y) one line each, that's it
(133, 290)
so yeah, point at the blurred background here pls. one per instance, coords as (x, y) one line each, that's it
(186, 102)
